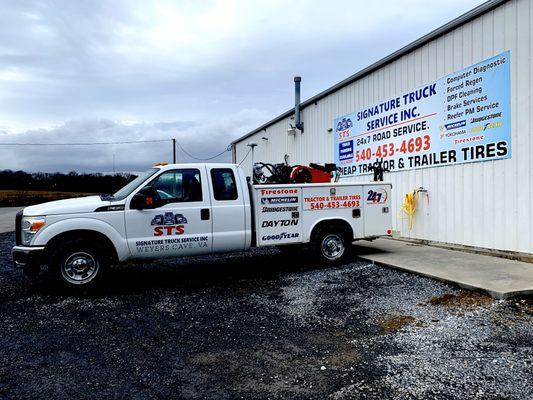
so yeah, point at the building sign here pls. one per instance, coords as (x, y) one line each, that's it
(463, 117)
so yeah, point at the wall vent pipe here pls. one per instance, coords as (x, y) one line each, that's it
(299, 123)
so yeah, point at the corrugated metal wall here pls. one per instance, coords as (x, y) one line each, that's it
(485, 204)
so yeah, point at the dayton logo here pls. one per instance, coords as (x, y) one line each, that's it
(172, 224)
(279, 222)
(345, 123)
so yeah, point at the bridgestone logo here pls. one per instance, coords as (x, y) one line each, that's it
(485, 117)
(266, 209)
(281, 236)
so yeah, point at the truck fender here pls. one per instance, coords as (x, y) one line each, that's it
(86, 224)
(331, 220)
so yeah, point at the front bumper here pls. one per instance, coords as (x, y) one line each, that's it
(27, 255)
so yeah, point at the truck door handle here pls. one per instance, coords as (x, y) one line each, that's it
(204, 214)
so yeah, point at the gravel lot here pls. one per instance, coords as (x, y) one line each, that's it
(260, 325)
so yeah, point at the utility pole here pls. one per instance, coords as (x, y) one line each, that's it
(174, 151)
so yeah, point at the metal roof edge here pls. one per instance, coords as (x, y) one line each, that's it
(442, 30)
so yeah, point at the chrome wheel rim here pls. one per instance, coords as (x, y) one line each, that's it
(79, 268)
(333, 246)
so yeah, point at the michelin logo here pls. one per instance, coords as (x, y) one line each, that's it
(452, 125)
(279, 200)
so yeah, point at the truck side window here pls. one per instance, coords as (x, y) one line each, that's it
(224, 185)
(176, 186)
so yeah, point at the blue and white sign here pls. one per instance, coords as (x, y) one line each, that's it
(346, 150)
(462, 117)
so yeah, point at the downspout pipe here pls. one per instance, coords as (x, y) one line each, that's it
(297, 118)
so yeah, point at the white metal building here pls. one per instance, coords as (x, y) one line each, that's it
(485, 204)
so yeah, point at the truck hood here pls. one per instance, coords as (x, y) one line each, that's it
(68, 206)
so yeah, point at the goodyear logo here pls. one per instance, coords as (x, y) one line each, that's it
(484, 127)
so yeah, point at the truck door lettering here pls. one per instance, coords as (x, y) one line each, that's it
(169, 230)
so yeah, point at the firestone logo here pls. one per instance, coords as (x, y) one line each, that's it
(278, 191)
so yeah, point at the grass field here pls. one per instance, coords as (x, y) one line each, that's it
(12, 198)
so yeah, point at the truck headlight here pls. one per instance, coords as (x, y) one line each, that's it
(30, 226)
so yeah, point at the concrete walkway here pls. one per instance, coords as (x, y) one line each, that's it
(499, 277)
(7, 218)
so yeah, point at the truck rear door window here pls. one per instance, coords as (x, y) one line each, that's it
(178, 186)
(224, 185)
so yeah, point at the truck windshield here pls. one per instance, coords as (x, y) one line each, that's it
(134, 184)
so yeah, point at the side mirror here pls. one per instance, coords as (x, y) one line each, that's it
(144, 200)
(138, 201)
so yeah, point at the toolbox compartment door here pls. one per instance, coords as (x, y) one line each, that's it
(333, 202)
(377, 209)
(278, 215)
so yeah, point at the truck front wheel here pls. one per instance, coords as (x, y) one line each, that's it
(78, 264)
(332, 246)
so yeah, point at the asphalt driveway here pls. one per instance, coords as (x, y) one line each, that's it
(260, 325)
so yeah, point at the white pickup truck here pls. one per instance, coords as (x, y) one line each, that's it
(193, 209)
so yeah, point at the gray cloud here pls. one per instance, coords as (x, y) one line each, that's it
(201, 140)
(128, 69)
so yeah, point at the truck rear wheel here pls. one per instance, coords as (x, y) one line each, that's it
(78, 264)
(332, 246)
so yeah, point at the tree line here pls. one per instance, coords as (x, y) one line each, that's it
(60, 182)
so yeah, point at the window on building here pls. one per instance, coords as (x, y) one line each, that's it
(180, 185)
(224, 185)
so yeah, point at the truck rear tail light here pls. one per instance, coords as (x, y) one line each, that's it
(356, 212)
(389, 231)
(385, 210)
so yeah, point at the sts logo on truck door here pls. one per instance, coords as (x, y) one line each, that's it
(169, 224)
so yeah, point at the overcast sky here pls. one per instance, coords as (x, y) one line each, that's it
(204, 72)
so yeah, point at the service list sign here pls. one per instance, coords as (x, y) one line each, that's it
(463, 117)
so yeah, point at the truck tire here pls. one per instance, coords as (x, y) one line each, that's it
(332, 245)
(78, 264)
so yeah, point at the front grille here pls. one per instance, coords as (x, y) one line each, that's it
(18, 228)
